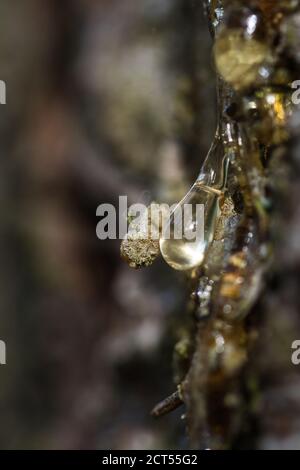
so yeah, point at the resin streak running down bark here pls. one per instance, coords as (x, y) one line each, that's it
(238, 185)
(258, 110)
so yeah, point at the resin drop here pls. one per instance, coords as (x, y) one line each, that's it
(241, 46)
(188, 251)
(190, 230)
(238, 59)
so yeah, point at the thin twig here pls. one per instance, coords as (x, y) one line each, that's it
(167, 405)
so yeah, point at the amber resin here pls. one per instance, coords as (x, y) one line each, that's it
(256, 58)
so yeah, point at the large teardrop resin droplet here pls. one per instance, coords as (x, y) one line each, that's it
(185, 249)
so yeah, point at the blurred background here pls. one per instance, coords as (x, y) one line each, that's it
(109, 98)
(104, 98)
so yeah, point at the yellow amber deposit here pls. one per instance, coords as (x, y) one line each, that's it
(239, 58)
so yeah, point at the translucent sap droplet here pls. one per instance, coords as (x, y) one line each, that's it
(186, 238)
(189, 232)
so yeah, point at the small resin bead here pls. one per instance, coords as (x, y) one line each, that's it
(241, 47)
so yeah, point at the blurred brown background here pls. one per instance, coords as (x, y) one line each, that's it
(104, 98)
(109, 98)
